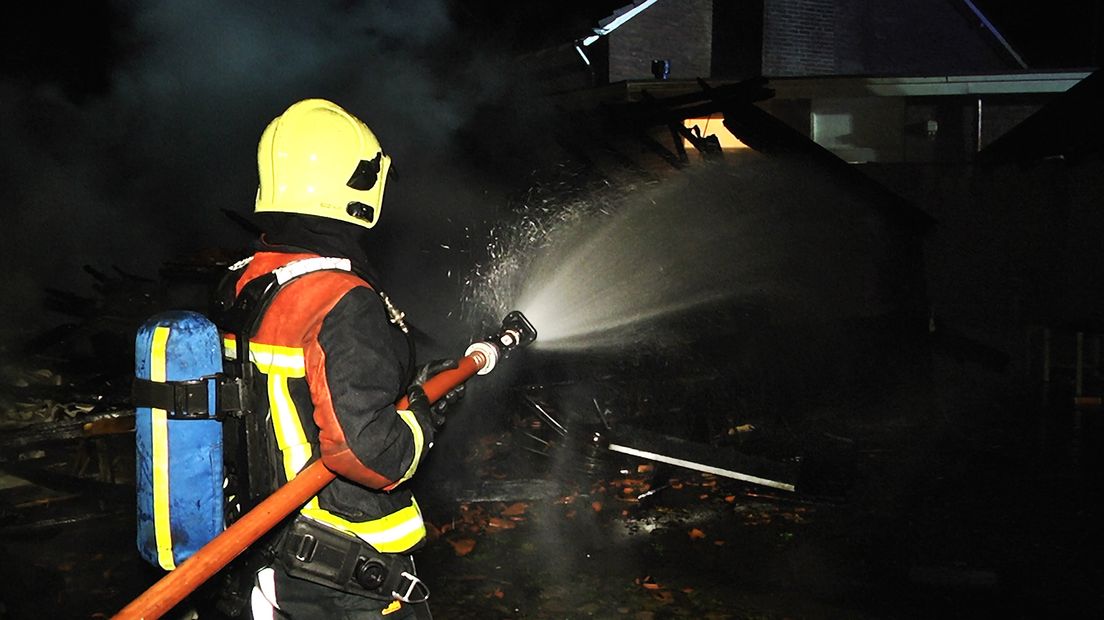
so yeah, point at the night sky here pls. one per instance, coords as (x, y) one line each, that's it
(1050, 35)
(129, 126)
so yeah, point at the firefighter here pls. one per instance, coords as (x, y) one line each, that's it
(331, 359)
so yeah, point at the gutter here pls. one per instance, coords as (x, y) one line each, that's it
(613, 22)
(936, 86)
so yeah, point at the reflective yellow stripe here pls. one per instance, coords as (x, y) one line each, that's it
(280, 364)
(229, 347)
(394, 533)
(419, 441)
(159, 436)
(392, 608)
(273, 359)
(269, 358)
(290, 436)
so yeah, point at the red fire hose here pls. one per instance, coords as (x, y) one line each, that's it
(215, 555)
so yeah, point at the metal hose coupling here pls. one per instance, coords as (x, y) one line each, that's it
(516, 332)
(396, 316)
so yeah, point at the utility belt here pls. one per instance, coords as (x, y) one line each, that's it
(321, 554)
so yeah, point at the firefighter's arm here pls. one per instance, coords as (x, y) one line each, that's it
(355, 373)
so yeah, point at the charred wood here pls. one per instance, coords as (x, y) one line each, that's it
(104, 423)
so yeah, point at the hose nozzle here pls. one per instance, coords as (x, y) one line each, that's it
(516, 332)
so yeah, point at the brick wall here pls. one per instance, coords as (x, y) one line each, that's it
(799, 37)
(675, 30)
(869, 37)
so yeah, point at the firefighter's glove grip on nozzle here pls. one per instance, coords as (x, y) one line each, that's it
(427, 371)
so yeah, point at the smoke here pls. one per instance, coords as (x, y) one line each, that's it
(139, 171)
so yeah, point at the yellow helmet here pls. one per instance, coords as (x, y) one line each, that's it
(317, 159)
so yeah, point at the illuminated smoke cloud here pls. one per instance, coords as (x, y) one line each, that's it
(140, 172)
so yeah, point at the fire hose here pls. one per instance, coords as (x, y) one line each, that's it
(480, 358)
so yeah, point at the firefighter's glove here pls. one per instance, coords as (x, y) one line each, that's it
(429, 370)
(418, 402)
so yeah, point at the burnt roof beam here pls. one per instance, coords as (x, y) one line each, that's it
(709, 100)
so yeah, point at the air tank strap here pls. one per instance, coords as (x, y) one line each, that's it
(194, 399)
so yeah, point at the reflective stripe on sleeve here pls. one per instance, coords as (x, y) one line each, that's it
(419, 445)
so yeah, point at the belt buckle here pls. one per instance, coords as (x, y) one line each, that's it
(306, 547)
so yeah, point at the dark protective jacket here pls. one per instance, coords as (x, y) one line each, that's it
(330, 368)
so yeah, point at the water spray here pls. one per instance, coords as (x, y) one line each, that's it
(480, 358)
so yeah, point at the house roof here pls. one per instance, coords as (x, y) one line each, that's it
(1069, 126)
(926, 85)
(993, 35)
(759, 130)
